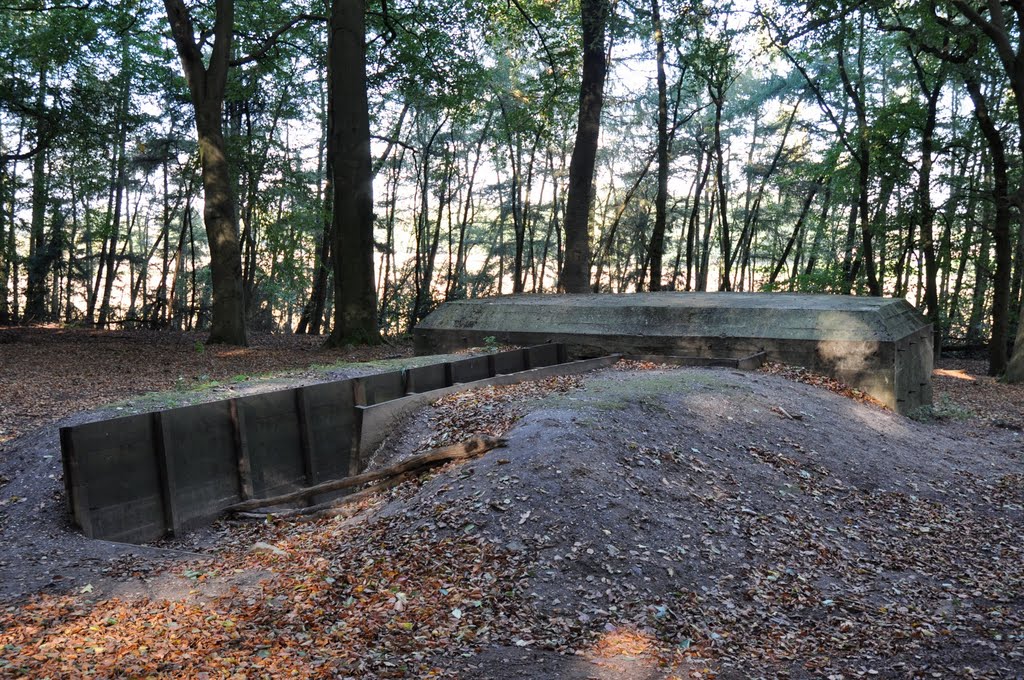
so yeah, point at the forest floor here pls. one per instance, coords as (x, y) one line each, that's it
(642, 522)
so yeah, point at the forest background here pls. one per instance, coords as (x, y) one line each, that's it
(209, 166)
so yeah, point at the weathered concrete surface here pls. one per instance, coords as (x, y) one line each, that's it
(881, 346)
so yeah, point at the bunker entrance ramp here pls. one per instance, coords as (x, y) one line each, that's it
(881, 346)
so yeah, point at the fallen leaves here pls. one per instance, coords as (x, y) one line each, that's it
(380, 600)
(802, 375)
(491, 410)
(963, 390)
(47, 373)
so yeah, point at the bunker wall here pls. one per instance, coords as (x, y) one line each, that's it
(882, 347)
(139, 478)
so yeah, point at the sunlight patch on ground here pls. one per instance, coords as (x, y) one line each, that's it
(624, 642)
(229, 353)
(959, 374)
(626, 651)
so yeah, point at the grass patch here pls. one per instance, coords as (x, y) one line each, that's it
(944, 409)
(617, 392)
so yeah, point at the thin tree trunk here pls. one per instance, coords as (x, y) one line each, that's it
(718, 98)
(925, 210)
(1000, 230)
(575, 274)
(863, 158)
(313, 311)
(457, 289)
(1015, 369)
(605, 253)
(796, 232)
(6, 256)
(112, 260)
(693, 229)
(35, 295)
(657, 249)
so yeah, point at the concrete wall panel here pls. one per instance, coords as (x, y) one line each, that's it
(329, 413)
(375, 389)
(512, 361)
(543, 355)
(199, 446)
(116, 484)
(471, 370)
(271, 425)
(426, 378)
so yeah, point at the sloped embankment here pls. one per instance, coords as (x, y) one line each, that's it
(748, 525)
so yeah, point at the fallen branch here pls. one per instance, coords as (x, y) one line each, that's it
(786, 414)
(470, 448)
(332, 508)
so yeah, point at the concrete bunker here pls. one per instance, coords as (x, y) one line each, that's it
(879, 345)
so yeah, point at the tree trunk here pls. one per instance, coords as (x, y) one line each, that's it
(796, 233)
(348, 154)
(718, 98)
(855, 92)
(693, 266)
(5, 255)
(926, 212)
(604, 254)
(657, 249)
(423, 264)
(112, 260)
(313, 312)
(1015, 369)
(207, 85)
(457, 286)
(1000, 230)
(35, 294)
(575, 275)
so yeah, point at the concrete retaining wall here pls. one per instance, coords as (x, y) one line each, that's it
(139, 478)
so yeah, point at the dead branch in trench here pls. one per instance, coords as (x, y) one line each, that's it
(470, 448)
(332, 508)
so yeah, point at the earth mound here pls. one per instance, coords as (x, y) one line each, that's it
(742, 523)
(641, 522)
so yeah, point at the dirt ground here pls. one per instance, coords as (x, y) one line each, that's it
(642, 522)
(49, 373)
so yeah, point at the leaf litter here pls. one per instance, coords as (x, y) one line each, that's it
(684, 533)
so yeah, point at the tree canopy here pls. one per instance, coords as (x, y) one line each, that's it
(347, 166)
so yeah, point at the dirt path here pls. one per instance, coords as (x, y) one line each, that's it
(641, 523)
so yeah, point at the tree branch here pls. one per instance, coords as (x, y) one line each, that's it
(471, 448)
(999, 38)
(536, 29)
(4, 158)
(223, 33)
(272, 40)
(183, 33)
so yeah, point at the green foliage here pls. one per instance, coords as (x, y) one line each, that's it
(473, 108)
